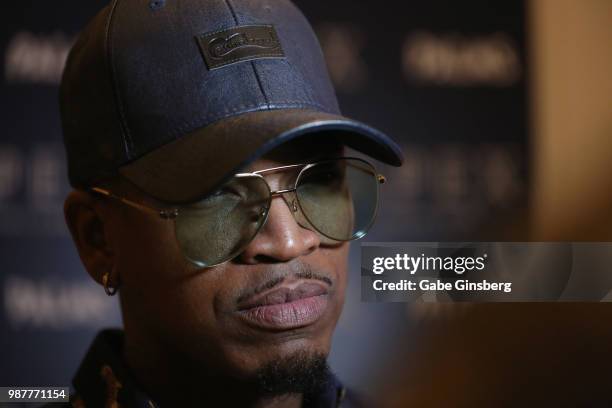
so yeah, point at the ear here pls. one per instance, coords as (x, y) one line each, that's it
(89, 226)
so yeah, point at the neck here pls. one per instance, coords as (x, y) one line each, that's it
(169, 381)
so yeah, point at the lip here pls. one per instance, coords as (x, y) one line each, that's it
(289, 306)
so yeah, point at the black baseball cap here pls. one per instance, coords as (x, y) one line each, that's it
(179, 95)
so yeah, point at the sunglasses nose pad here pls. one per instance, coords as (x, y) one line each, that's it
(291, 201)
(261, 213)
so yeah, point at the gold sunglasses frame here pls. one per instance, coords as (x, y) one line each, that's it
(170, 214)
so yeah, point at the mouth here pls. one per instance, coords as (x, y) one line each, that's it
(288, 306)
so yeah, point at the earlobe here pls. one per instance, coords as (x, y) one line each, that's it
(87, 224)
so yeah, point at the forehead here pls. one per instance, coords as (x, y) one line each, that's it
(302, 150)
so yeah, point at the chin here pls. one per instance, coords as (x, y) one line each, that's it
(277, 366)
(267, 348)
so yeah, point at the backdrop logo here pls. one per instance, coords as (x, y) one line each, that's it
(459, 60)
(36, 59)
(343, 45)
(241, 43)
(55, 305)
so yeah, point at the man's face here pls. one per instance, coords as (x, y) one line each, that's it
(280, 297)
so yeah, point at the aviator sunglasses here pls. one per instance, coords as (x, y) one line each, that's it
(336, 198)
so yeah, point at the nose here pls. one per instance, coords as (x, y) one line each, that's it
(281, 239)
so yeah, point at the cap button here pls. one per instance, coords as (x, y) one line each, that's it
(157, 4)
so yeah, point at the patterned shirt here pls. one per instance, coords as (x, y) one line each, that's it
(104, 381)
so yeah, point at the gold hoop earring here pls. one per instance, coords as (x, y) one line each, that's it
(110, 290)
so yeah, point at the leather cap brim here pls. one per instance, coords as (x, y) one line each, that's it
(191, 167)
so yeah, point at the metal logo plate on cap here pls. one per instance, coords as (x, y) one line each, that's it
(242, 43)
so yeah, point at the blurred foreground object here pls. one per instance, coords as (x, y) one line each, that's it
(572, 119)
(506, 355)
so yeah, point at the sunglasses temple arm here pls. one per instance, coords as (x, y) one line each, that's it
(162, 213)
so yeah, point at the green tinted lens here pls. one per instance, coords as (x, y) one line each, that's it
(339, 197)
(218, 227)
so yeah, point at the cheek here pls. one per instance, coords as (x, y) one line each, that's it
(337, 259)
(157, 282)
(147, 252)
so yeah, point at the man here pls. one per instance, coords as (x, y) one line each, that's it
(206, 149)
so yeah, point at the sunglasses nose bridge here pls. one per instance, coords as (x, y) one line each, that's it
(291, 202)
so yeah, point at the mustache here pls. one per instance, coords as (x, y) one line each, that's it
(300, 271)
